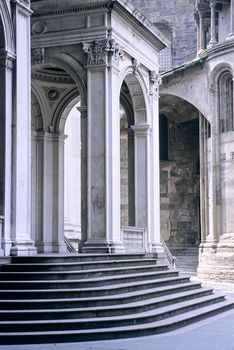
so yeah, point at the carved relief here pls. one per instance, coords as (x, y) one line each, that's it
(38, 27)
(96, 52)
(38, 56)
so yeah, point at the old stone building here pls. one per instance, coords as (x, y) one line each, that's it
(116, 133)
(195, 129)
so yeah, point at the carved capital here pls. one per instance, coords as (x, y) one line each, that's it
(155, 81)
(6, 60)
(38, 56)
(96, 52)
(115, 51)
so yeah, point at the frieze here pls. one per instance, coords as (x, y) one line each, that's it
(38, 56)
(52, 78)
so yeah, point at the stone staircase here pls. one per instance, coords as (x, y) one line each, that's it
(187, 260)
(81, 297)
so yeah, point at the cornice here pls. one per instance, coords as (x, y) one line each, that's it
(71, 10)
(49, 77)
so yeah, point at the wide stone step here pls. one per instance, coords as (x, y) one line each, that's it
(60, 258)
(72, 275)
(177, 320)
(90, 282)
(107, 311)
(93, 291)
(119, 299)
(77, 266)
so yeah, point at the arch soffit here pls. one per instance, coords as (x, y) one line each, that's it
(7, 27)
(138, 92)
(74, 69)
(38, 108)
(63, 109)
(177, 95)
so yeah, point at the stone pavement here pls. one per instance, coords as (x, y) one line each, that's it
(215, 333)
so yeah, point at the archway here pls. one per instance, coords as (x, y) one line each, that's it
(134, 133)
(56, 94)
(180, 179)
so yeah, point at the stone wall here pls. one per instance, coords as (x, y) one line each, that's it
(180, 186)
(176, 20)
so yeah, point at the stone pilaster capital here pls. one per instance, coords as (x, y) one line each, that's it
(6, 60)
(155, 80)
(96, 52)
(141, 129)
(83, 111)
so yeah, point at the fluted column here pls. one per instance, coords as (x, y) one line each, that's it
(213, 40)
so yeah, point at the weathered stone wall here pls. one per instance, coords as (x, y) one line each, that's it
(180, 187)
(176, 19)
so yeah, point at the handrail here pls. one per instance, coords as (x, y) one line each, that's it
(70, 247)
(171, 260)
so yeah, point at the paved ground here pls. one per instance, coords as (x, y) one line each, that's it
(217, 333)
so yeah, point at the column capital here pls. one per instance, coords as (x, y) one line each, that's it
(6, 60)
(83, 111)
(155, 80)
(141, 129)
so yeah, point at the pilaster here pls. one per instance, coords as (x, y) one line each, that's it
(103, 147)
(21, 213)
(6, 78)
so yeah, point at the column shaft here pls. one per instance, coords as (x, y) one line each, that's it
(213, 39)
(231, 34)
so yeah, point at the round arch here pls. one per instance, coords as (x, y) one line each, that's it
(7, 40)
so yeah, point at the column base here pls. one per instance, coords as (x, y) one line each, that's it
(51, 247)
(216, 262)
(23, 249)
(103, 247)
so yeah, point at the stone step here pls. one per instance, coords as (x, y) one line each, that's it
(119, 299)
(72, 275)
(89, 282)
(108, 311)
(177, 320)
(75, 257)
(92, 291)
(76, 266)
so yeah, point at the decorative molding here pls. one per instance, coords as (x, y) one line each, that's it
(52, 94)
(52, 78)
(96, 52)
(135, 65)
(68, 11)
(38, 56)
(155, 81)
(223, 156)
(25, 2)
(38, 27)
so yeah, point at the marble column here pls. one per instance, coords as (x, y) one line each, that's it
(131, 179)
(6, 79)
(213, 39)
(22, 243)
(231, 33)
(50, 193)
(84, 175)
(103, 151)
(153, 190)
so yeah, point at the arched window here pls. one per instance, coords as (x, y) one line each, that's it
(225, 93)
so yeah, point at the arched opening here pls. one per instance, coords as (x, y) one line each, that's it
(225, 88)
(180, 179)
(133, 164)
(56, 173)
